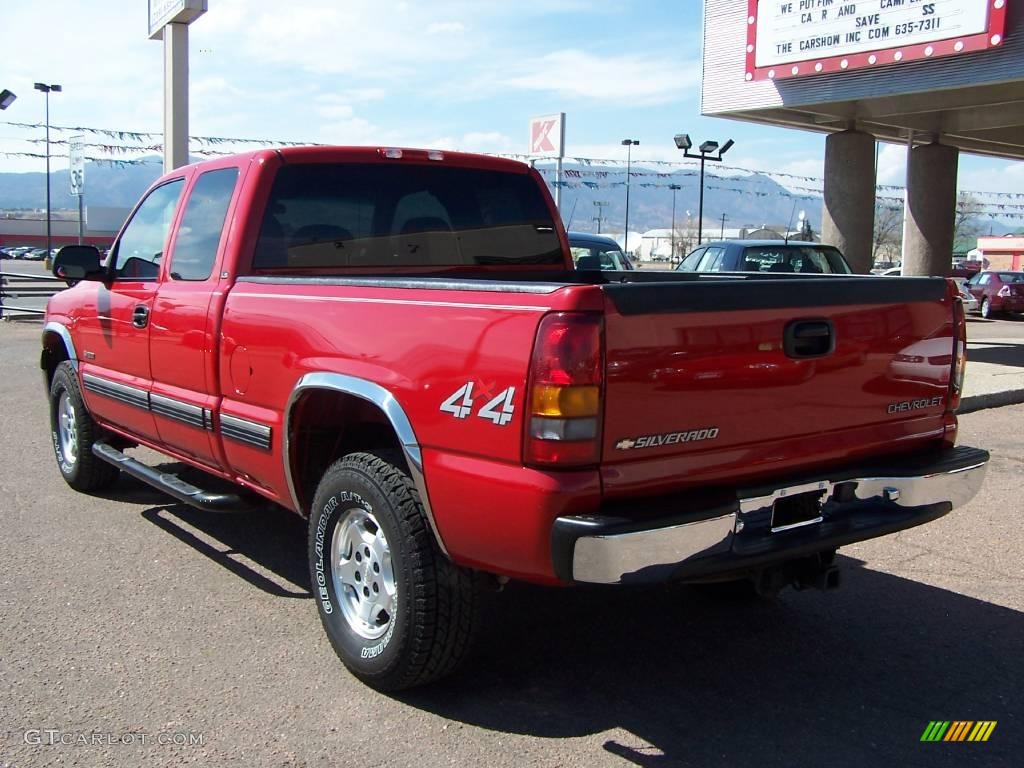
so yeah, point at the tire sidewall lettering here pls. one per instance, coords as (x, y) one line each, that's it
(330, 511)
(66, 469)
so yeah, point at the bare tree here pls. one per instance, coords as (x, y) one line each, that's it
(888, 231)
(968, 211)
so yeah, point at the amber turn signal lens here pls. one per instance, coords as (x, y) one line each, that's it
(565, 401)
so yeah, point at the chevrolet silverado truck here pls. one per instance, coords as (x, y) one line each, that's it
(393, 344)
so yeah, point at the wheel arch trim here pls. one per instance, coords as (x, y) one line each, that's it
(65, 335)
(386, 402)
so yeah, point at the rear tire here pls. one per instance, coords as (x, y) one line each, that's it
(74, 433)
(397, 611)
(986, 308)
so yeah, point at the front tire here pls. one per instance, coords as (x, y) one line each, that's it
(74, 433)
(397, 611)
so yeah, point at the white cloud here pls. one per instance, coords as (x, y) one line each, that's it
(892, 165)
(445, 27)
(642, 80)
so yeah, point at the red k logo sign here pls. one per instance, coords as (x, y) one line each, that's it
(540, 136)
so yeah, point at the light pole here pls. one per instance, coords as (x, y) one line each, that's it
(675, 188)
(46, 89)
(600, 205)
(628, 144)
(722, 235)
(706, 153)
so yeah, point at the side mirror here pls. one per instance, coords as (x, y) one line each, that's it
(78, 262)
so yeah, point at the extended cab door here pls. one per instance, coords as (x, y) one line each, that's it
(114, 339)
(186, 320)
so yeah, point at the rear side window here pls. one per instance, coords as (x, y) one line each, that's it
(712, 261)
(1011, 277)
(689, 264)
(403, 215)
(195, 250)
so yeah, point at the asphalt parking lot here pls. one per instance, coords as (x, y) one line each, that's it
(127, 616)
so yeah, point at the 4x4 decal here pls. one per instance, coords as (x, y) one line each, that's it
(499, 409)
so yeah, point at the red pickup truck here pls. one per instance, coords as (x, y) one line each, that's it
(393, 344)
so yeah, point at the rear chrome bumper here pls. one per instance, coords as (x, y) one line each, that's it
(743, 534)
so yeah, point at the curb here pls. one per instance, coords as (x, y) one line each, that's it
(991, 400)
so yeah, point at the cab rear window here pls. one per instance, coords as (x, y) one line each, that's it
(326, 216)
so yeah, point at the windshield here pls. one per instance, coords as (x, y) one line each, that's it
(403, 215)
(599, 257)
(816, 259)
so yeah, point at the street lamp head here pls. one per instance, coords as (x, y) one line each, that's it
(6, 98)
(47, 88)
(683, 141)
(674, 187)
(708, 147)
(726, 147)
(627, 142)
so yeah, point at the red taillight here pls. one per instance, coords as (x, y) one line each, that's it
(956, 380)
(563, 425)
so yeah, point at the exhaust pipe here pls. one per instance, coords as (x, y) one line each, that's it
(820, 578)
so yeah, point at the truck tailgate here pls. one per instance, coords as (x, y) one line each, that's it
(741, 378)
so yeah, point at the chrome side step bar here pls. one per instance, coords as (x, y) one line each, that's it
(170, 484)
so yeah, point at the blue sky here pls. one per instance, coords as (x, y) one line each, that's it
(455, 74)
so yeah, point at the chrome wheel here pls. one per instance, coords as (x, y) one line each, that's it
(362, 573)
(986, 308)
(67, 429)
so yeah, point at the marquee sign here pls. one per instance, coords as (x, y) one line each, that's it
(164, 12)
(789, 38)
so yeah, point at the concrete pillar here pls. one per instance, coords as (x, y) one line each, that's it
(931, 210)
(848, 218)
(175, 96)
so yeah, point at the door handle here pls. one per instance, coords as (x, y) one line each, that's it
(809, 338)
(140, 316)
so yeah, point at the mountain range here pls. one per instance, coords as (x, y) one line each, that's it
(749, 201)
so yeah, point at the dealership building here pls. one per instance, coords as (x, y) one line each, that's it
(941, 76)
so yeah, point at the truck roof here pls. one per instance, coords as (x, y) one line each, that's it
(353, 154)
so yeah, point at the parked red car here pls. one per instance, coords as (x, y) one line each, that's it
(997, 291)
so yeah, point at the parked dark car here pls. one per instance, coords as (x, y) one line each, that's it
(597, 252)
(997, 291)
(765, 256)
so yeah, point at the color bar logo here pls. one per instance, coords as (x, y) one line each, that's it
(958, 730)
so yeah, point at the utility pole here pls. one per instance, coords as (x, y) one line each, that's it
(722, 235)
(675, 188)
(600, 205)
(628, 144)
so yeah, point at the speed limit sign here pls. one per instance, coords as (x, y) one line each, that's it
(76, 153)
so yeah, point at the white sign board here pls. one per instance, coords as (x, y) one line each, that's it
(163, 12)
(76, 152)
(792, 31)
(547, 136)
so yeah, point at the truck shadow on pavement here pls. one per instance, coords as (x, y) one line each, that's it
(677, 676)
(265, 546)
(996, 352)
